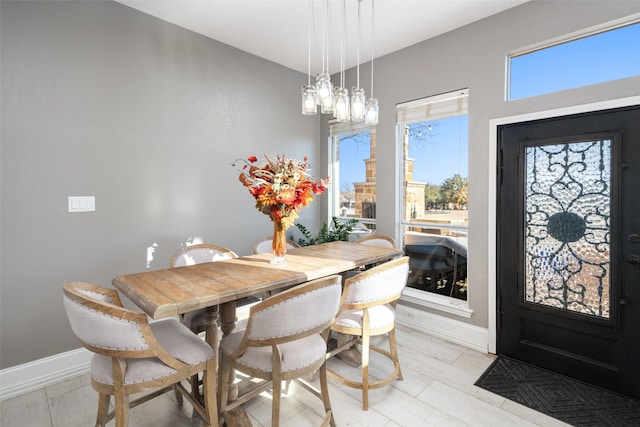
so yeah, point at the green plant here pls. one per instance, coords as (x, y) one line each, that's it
(337, 230)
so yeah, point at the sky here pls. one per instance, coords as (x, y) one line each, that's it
(607, 56)
(443, 153)
(439, 155)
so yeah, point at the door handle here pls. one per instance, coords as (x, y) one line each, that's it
(633, 259)
(634, 238)
(623, 302)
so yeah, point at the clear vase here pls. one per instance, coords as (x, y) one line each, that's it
(279, 243)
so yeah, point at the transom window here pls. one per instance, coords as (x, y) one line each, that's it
(569, 63)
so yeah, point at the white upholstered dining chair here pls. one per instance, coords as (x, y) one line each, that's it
(285, 340)
(132, 355)
(263, 245)
(377, 240)
(367, 309)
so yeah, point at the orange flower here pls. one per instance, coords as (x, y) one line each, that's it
(281, 187)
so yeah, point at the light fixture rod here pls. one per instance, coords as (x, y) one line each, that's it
(310, 19)
(342, 41)
(372, 40)
(358, 48)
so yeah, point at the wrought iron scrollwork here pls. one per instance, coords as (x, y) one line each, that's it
(567, 226)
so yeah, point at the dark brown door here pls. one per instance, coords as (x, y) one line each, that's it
(569, 246)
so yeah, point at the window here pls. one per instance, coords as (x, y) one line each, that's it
(594, 58)
(433, 136)
(353, 174)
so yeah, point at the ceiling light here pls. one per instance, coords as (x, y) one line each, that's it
(336, 99)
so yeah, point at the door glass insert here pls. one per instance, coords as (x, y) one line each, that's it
(567, 226)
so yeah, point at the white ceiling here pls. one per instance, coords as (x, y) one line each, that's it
(278, 30)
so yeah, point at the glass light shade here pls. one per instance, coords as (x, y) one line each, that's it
(341, 104)
(371, 112)
(323, 88)
(309, 100)
(357, 104)
(326, 104)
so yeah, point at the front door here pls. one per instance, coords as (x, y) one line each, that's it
(569, 246)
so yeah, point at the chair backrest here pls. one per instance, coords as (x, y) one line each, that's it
(103, 326)
(197, 254)
(377, 240)
(296, 313)
(263, 246)
(378, 285)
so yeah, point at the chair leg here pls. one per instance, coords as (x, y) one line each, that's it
(324, 388)
(276, 390)
(122, 409)
(209, 392)
(103, 409)
(121, 400)
(365, 371)
(195, 388)
(224, 371)
(178, 395)
(394, 352)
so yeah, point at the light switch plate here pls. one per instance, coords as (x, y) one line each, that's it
(82, 203)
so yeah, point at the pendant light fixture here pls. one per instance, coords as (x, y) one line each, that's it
(336, 100)
(341, 109)
(371, 109)
(357, 93)
(309, 94)
(323, 80)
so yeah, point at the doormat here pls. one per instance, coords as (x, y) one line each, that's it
(565, 399)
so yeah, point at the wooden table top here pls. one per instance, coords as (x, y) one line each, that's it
(171, 291)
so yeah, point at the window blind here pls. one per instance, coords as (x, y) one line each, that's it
(435, 107)
(346, 128)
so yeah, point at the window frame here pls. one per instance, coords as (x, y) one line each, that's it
(408, 112)
(336, 129)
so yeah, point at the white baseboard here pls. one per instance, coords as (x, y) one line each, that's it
(452, 330)
(31, 376)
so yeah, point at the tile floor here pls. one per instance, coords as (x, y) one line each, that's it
(437, 390)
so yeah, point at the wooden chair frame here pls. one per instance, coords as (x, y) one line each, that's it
(202, 246)
(110, 305)
(362, 335)
(371, 237)
(273, 379)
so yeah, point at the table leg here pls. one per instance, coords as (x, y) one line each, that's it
(350, 356)
(228, 317)
(237, 416)
(211, 328)
(228, 324)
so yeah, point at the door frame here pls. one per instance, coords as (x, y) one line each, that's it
(493, 195)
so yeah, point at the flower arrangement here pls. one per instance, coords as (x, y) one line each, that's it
(281, 186)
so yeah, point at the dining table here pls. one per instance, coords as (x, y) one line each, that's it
(216, 286)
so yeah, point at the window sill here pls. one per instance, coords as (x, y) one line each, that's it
(437, 302)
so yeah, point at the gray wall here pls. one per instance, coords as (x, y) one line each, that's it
(98, 99)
